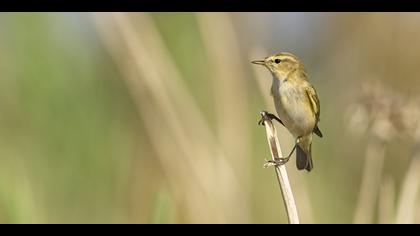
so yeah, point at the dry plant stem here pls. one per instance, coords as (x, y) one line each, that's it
(286, 190)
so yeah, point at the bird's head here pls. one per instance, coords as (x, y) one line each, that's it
(281, 64)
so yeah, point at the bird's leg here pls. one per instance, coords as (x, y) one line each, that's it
(283, 160)
(294, 148)
(268, 116)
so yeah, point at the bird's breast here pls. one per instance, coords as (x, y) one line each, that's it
(293, 107)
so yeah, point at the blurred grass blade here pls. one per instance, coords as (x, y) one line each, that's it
(375, 156)
(201, 159)
(386, 202)
(162, 208)
(230, 96)
(409, 193)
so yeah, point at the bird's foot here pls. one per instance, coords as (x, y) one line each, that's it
(268, 116)
(276, 162)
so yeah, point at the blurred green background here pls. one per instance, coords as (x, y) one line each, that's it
(152, 117)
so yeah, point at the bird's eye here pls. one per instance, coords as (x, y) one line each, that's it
(277, 61)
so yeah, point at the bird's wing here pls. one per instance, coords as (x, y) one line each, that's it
(315, 106)
(314, 101)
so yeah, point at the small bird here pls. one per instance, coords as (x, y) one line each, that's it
(296, 103)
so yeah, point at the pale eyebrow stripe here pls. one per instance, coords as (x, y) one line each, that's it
(288, 57)
(284, 57)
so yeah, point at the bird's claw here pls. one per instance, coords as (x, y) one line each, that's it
(264, 117)
(268, 116)
(276, 162)
(261, 122)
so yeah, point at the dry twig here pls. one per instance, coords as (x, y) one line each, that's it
(276, 154)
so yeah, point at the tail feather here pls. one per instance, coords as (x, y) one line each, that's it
(303, 159)
(310, 164)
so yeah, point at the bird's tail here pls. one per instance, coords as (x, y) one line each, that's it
(303, 155)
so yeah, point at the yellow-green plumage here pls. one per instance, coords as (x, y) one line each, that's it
(296, 103)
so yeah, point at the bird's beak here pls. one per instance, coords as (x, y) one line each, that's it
(259, 62)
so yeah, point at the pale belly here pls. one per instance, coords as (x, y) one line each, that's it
(293, 109)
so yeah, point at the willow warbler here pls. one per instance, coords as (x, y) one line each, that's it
(296, 103)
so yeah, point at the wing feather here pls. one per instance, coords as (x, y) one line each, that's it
(315, 106)
(314, 101)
